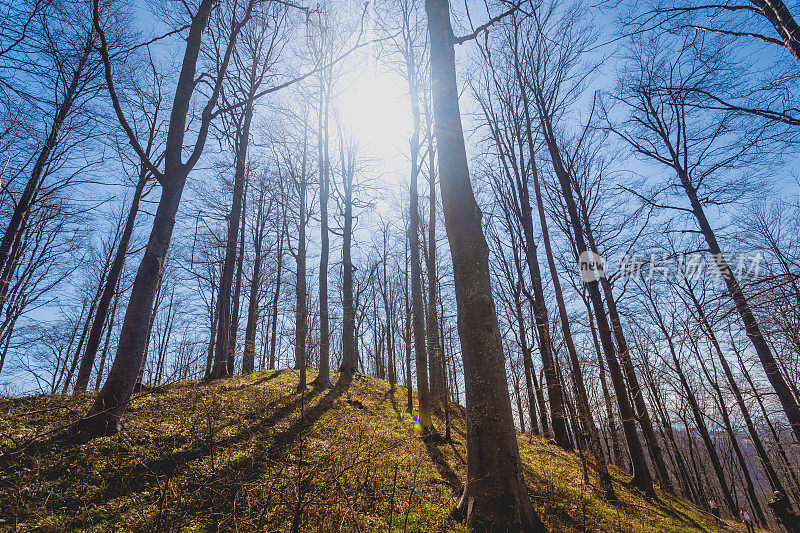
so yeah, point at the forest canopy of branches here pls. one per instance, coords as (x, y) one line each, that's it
(578, 220)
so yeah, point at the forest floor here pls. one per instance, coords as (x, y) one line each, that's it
(252, 454)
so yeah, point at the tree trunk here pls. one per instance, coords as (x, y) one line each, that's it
(249, 355)
(109, 330)
(407, 339)
(437, 392)
(577, 372)
(696, 412)
(109, 290)
(222, 353)
(495, 497)
(77, 357)
(726, 421)
(276, 297)
(301, 316)
(641, 473)
(212, 337)
(237, 292)
(642, 413)
(518, 397)
(616, 447)
(323, 376)
(105, 415)
(775, 437)
(782, 390)
(755, 438)
(349, 361)
(527, 365)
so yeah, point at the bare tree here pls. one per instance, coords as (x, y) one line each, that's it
(495, 496)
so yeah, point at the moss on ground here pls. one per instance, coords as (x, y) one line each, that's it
(251, 454)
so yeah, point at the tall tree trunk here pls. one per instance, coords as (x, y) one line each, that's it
(695, 407)
(323, 376)
(726, 421)
(577, 373)
(776, 378)
(389, 312)
(417, 306)
(249, 355)
(755, 438)
(641, 473)
(437, 393)
(301, 316)
(666, 424)
(775, 437)
(222, 353)
(611, 419)
(237, 291)
(105, 415)
(212, 338)
(527, 364)
(349, 361)
(109, 330)
(518, 397)
(109, 289)
(642, 413)
(276, 297)
(407, 338)
(77, 357)
(495, 497)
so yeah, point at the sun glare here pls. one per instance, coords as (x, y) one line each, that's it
(373, 107)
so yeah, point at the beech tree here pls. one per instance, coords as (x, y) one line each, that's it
(495, 496)
(667, 130)
(105, 415)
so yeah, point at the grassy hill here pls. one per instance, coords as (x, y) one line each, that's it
(251, 454)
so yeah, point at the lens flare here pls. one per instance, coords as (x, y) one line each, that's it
(417, 425)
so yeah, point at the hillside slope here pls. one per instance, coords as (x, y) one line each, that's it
(236, 454)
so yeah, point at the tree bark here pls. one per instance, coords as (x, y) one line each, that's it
(407, 338)
(772, 476)
(222, 352)
(323, 375)
(437, 391)
(249, 355)
(577, 372)
(495, 497)
(276, 297)
(301, 315)
(349, 361)
(641, 473)
(109, 290)
(642, 413)
(417, 307)
(105, 415)
(237, 292)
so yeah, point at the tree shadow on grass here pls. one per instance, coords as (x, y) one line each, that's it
(261, 381)
(143, 475)
(310, 415)
(442, 466)
(247, 469)
(390, 396)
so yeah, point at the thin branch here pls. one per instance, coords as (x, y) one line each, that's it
(485, 27)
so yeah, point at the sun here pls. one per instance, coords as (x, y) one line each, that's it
(373, 107)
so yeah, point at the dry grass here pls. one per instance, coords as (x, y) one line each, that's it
(251, 454)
